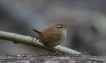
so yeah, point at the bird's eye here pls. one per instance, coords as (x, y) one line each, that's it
(60, 27)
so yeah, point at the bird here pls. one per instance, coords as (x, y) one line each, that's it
(52, 35)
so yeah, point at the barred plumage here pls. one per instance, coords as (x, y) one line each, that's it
(53, 35)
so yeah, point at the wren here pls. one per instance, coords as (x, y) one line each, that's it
(52, 35)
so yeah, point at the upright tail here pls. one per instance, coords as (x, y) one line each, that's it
(38, 32)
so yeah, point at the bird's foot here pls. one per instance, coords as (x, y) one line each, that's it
(45, 53)
(57, 53)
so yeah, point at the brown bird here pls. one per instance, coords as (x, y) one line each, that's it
(53, 35)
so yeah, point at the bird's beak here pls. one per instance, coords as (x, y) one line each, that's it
(69, 25)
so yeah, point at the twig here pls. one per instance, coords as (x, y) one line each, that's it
(32, 41)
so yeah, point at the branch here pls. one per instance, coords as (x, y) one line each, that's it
(32, 41)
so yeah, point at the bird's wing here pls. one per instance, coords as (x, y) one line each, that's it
(50, 37)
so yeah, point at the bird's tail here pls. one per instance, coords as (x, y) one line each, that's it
(38, 32)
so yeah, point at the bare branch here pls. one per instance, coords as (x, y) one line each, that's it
(32, 41)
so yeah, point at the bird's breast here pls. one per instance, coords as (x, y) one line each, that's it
(55, 43)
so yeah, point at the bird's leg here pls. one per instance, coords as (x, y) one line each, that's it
(37, 38)
(44, 52)
(56, 52)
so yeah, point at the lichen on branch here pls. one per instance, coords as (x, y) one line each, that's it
(17, 38)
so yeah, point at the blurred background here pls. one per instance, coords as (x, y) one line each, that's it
(87, 17)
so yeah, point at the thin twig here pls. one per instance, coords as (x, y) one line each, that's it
(32, 42)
